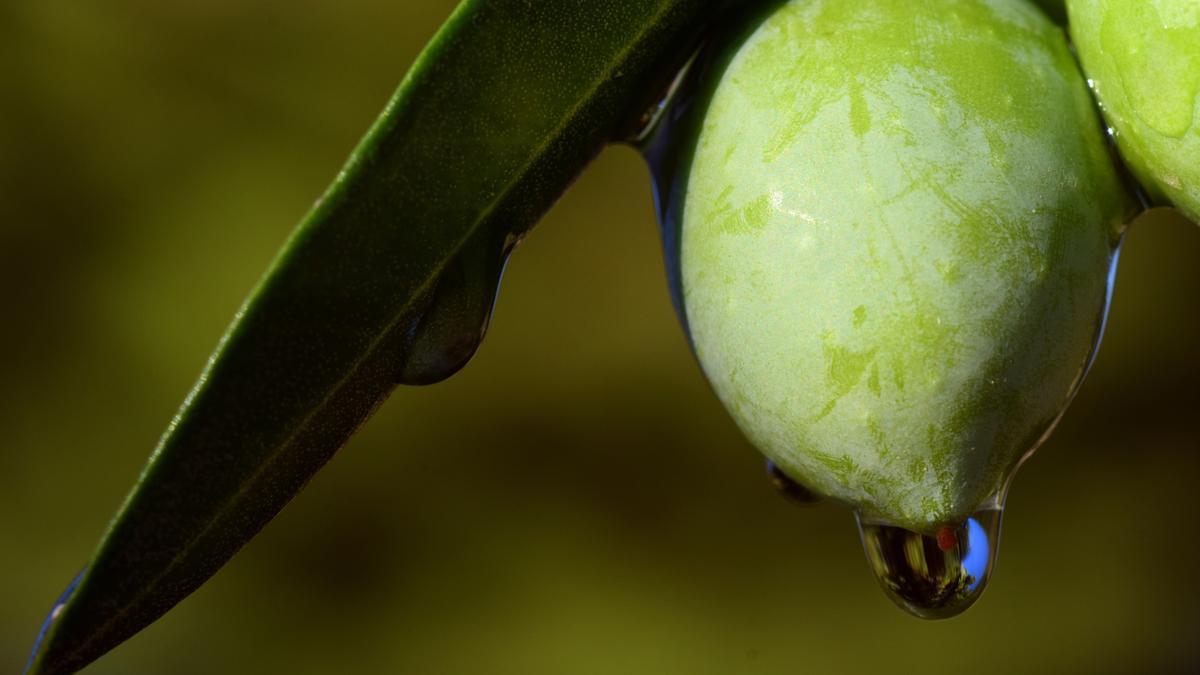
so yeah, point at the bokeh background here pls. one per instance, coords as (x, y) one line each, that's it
(575, 501)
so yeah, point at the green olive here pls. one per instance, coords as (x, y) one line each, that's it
(1142, 58)
(898, 225)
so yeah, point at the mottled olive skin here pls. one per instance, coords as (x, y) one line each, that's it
(1143, 60)
(898, 227)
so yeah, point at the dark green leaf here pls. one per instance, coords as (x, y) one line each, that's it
(388, 279)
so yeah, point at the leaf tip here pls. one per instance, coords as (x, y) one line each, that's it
(37, 664)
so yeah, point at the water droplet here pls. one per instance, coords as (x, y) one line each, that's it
(667, 132)
(55, 612)
(664, 147)
(457, 313)
(934, 575)
(647, 125)
(789, 488)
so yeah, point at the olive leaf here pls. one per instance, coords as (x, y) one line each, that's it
(389, 279)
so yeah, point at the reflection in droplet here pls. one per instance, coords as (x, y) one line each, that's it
(934, 575)
(55, 612)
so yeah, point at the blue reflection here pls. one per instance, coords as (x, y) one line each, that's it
(975, 562)
(55, 612)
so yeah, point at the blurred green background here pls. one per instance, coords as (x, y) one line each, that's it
(575, 501)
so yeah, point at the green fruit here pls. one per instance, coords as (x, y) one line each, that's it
(898, 225)
(1142, 58)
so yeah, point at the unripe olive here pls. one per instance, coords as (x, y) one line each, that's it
(898, 223)
(1142, 58)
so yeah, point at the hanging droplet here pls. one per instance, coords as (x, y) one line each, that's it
(934, 575)
(459, 308)
(789, 488)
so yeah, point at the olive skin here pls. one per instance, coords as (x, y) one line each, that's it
(1142, 58)
(898, 226)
